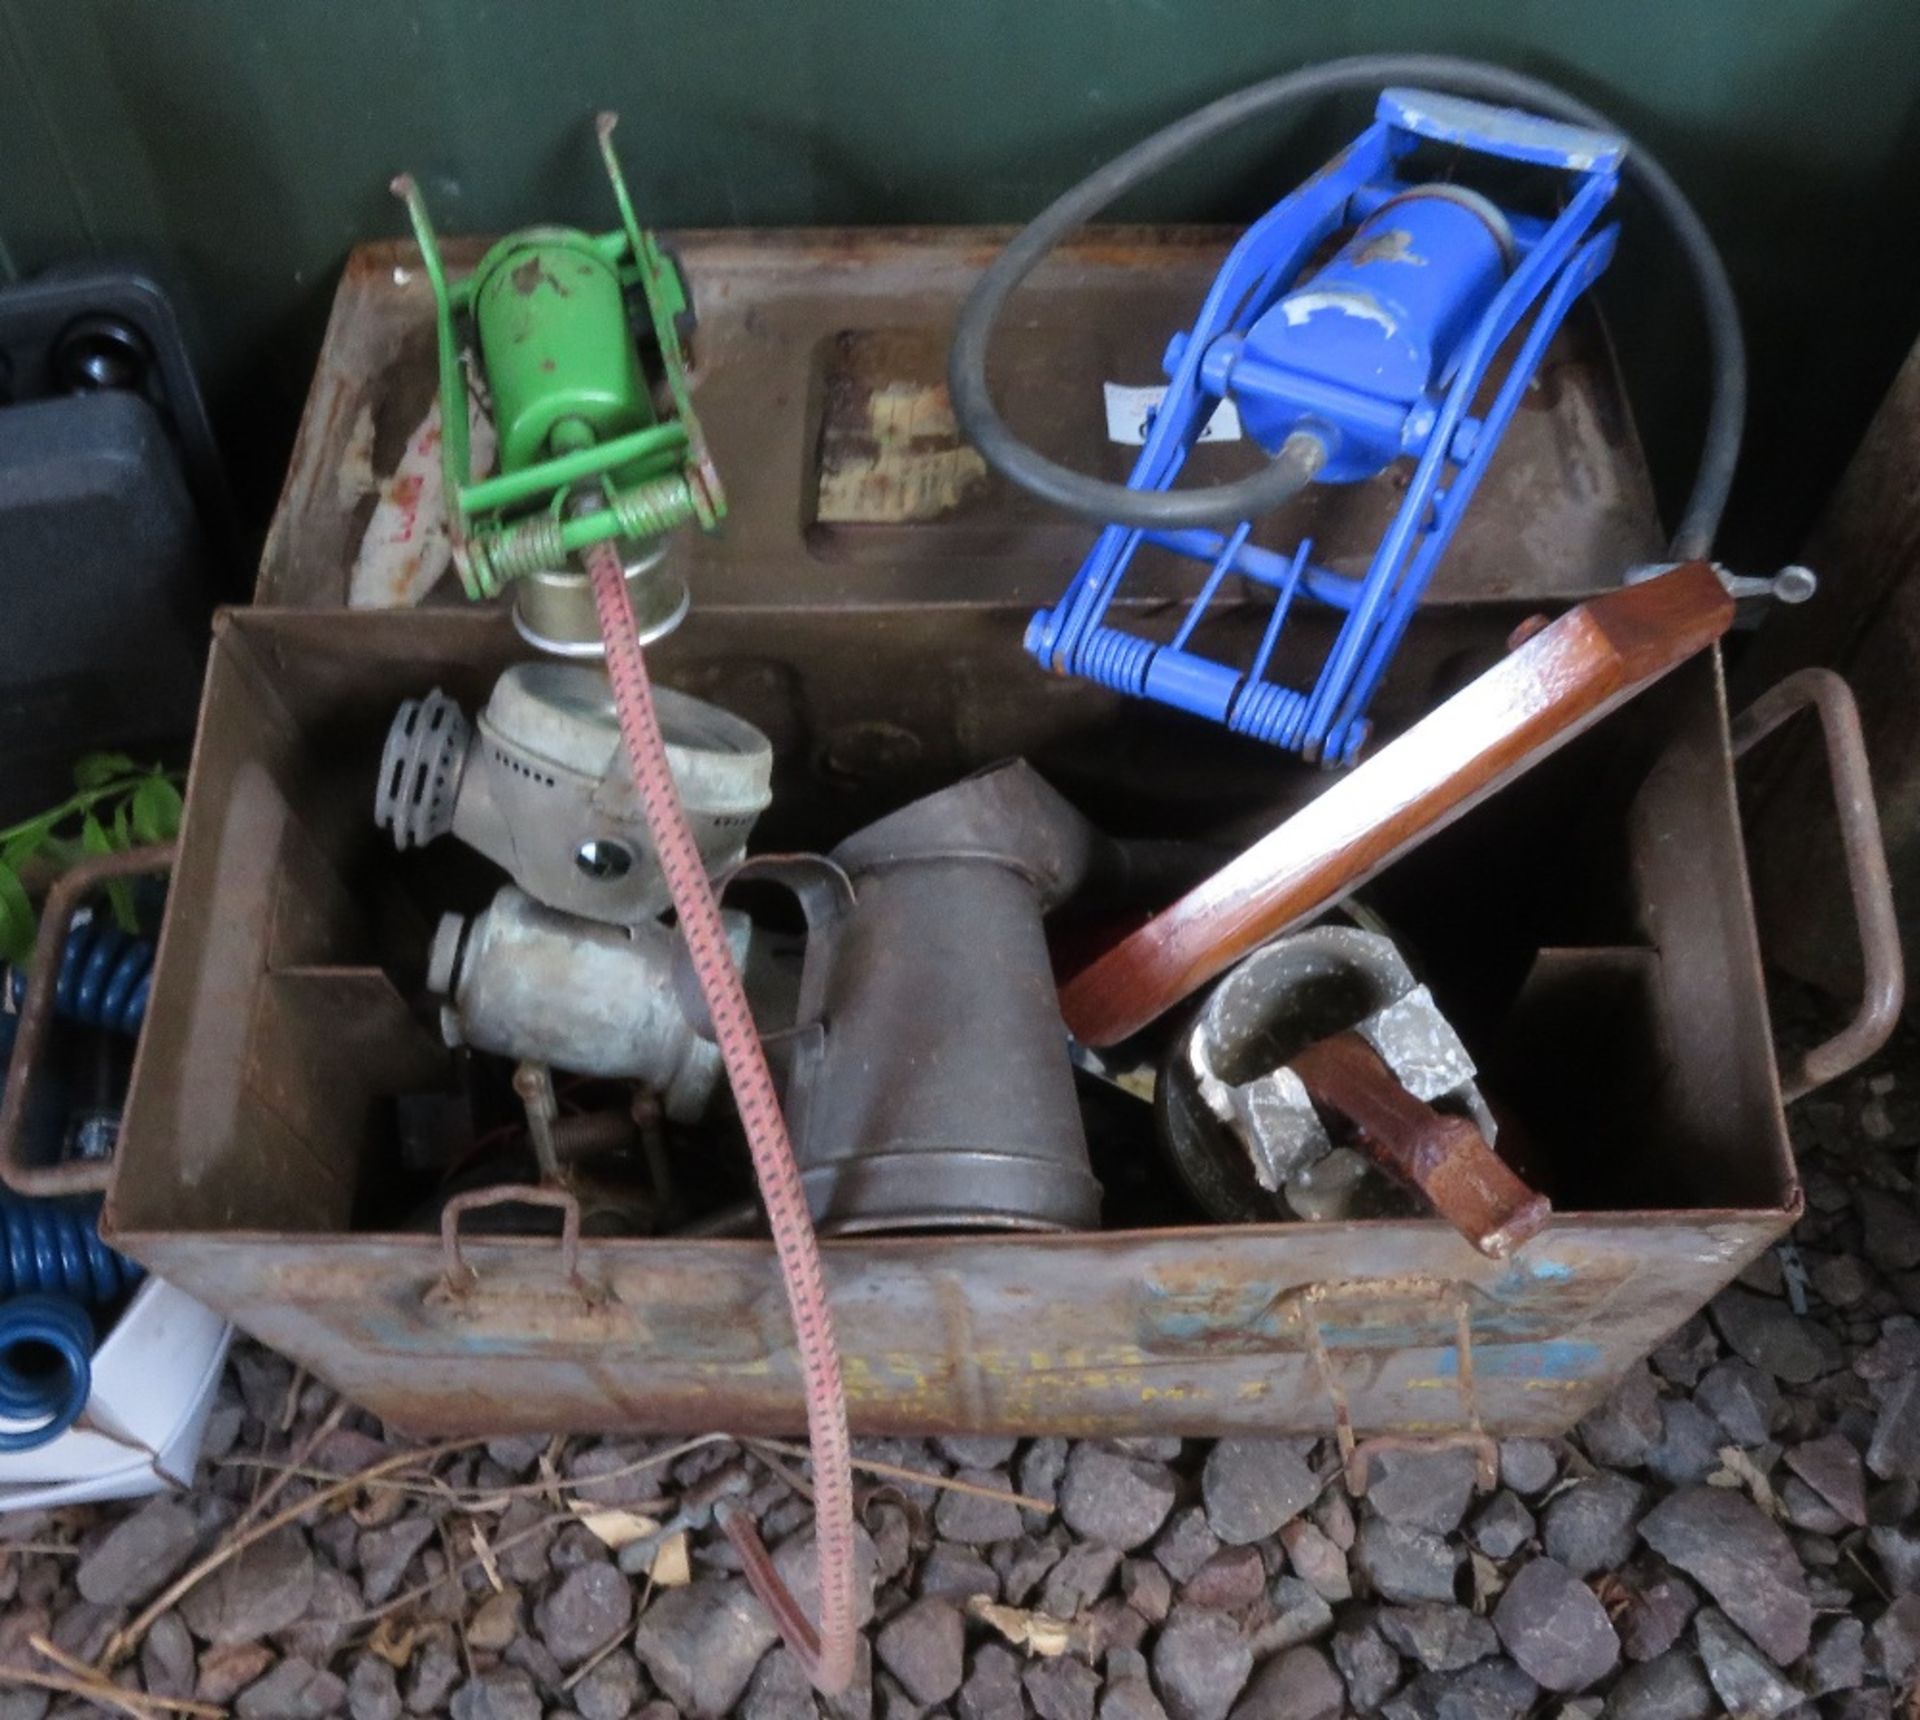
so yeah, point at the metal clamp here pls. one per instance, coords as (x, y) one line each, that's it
(533, 1084)
(458, 1278)
(1868, 881)
(1356, 1453)
(64, 900)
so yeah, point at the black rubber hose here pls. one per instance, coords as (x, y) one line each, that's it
(1244, 498)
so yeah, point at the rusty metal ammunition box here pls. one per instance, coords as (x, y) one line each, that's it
(1590, 929)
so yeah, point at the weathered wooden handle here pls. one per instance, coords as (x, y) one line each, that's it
(1443, 1157)
(1557, 684)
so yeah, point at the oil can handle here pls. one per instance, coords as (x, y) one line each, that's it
(64, 899)
(1868, 881)
(825, 897)
(460, 1277)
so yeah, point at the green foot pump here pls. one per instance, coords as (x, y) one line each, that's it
(578, 337)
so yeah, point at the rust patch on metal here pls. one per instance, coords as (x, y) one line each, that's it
(356, 477)
(405, 550)
(532, 275)
(890, 451)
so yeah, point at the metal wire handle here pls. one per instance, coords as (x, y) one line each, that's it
(1868, 880)
(460, 1276)
(77, 1176)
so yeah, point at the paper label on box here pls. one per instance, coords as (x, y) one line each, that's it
(1128, 410)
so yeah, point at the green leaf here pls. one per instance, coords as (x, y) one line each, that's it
(123, 826)
(96, 770)
(24, 841)
(96, 839)
(120, 900)
(156, 810)
(63, 851)
(17, 923)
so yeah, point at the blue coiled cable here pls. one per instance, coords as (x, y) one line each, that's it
(55, 1246)
(46, 1368)
(106, 976)
(53, 1269)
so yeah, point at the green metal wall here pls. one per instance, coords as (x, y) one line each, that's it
(246, 144)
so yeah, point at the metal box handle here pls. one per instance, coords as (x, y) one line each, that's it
(459, 1276)
(1356, 1452)
(64, 899)
(1868, 880)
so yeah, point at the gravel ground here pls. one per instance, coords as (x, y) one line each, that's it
(1734, 1532)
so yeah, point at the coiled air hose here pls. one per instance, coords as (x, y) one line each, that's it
(826, 1655)
(46, 1369)
(1226, 504)
(106, 977)
(53, 1268)
(54, 1245)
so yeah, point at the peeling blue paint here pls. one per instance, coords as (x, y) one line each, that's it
(1553, 1359)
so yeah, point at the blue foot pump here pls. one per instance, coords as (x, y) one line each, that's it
(1414, 339)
